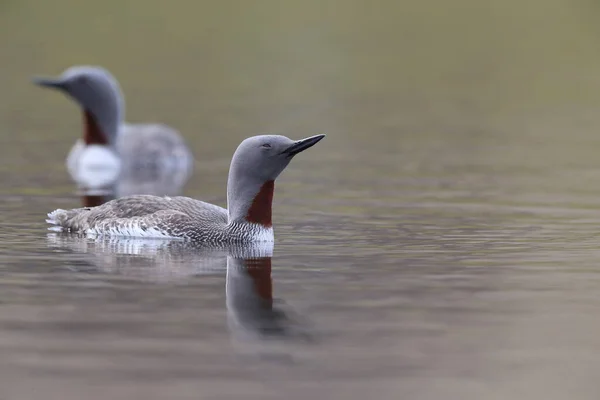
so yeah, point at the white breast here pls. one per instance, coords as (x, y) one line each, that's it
(94, 166)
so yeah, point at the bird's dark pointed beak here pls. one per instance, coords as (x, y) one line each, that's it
(55, 83)
(302, 145)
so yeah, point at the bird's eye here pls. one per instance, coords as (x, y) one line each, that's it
(266, 146)
(82, 80)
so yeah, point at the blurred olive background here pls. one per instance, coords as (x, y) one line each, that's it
(443, 235)
(377, 75)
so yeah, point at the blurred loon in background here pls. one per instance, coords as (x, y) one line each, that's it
(141, 158)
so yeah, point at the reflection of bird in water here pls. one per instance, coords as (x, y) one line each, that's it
(129, 158)
(94, 198)
(259, 324)
(255, 165)
(252, 311)
(158, 260)
(253, 315)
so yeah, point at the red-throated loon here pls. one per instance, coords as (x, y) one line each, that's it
(110, 147)
(256, 164)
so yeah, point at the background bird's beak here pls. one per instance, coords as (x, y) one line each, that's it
(302, 145)
(56, 83)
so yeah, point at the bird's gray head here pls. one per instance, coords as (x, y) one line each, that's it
(98, 94)
(256, 164)
(266, 156)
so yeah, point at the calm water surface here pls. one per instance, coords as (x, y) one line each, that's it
(429, 281)
(440, 243)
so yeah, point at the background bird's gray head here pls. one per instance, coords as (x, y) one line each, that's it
(96, 91)
(257, 160)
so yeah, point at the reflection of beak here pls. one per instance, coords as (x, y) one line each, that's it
(302, 145)
(55, 83)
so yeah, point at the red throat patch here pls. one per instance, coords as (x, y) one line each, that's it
(259, 270)
(92, 133)
(260, 209)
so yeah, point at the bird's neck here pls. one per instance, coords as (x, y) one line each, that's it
(260, 210)
(102, 120)
(92, 133)
(250, 202)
